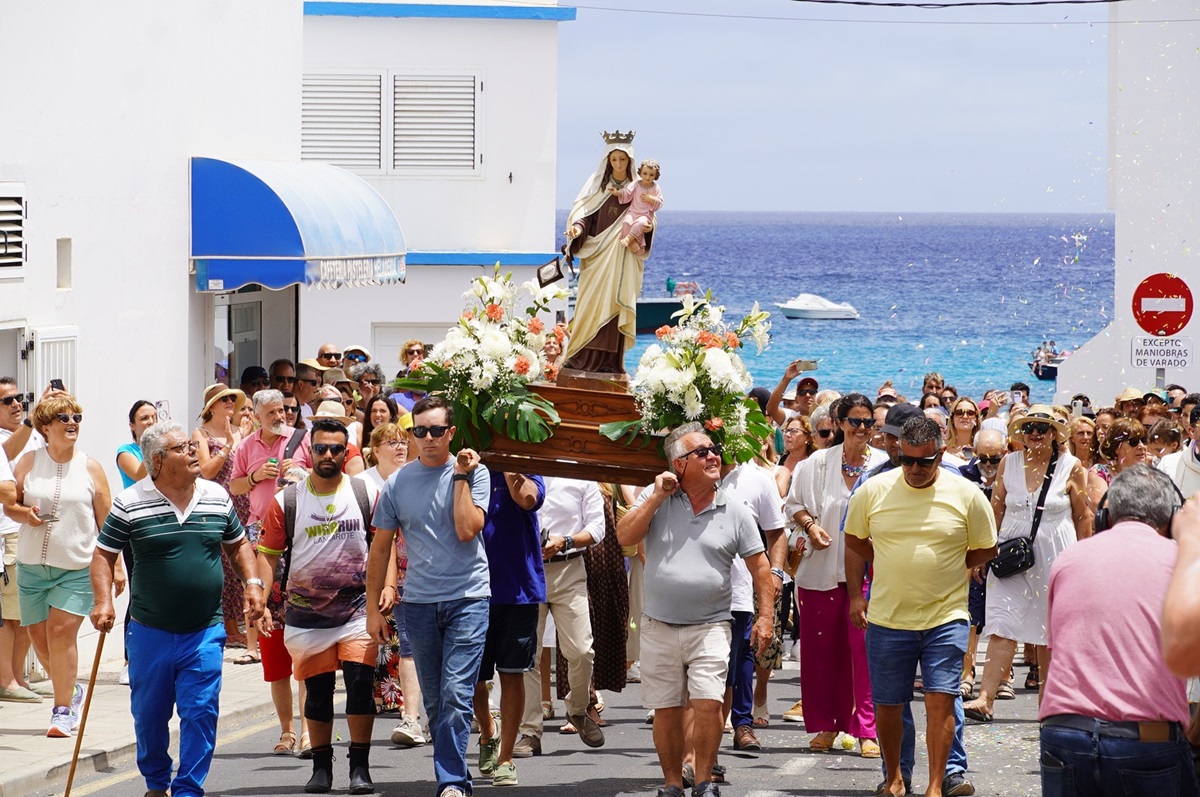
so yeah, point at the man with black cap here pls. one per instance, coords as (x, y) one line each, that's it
(254, 378)
(803, 398)
(1184, 466)
(955, 781)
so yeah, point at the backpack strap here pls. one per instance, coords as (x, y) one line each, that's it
(364, 504)
(289, 531)
(294, 443)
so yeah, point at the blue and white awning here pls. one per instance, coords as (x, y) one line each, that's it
(277, 224)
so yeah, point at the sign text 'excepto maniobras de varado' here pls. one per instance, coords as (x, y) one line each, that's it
(1153, 352)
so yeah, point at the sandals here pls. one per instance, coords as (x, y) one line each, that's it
(286, 744)
(247, 658)
(1031, 679)
(761, 716)
(718, 773)
(972, 713)
(966, 689)
(1005, 691)
(822, 742)
(689, 776)
(547, 710)
(305, 747)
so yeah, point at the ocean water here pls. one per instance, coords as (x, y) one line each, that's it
(967, 295)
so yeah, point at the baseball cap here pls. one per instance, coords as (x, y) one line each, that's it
(898, 415)
(253, 373)
(807, 382)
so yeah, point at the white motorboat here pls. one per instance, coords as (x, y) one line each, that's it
(812, 306)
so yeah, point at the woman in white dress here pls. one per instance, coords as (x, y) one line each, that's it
(1016, 606)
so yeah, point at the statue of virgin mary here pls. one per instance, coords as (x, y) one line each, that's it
(610, 276)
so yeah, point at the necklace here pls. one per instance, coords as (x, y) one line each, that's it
(853, 471)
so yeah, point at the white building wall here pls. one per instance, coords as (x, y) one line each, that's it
(486, 212)
(1154, 134)
(105, 103)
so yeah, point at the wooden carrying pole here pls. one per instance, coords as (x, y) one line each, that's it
(87, 703)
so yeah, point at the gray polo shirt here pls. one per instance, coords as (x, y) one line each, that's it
(689, 558)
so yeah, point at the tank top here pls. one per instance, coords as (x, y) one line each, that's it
(64, 490)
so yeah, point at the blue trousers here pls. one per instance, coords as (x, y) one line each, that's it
(169, 672)
(447, 641)
(1079, 763)
(741, 670)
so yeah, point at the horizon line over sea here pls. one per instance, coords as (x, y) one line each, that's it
(969, 294)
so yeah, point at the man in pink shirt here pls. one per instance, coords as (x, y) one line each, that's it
(253, 472)
(1113, 715)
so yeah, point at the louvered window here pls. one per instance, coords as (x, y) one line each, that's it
(342, 121)
(434, 123)
(12, 228)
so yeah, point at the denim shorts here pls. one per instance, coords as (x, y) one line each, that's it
(41, 587)
(893, 656)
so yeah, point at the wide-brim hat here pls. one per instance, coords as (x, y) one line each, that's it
(1040, 413)
(1130, 394)
(311, 363)
(214, 393)
(335, 376)
(331, 410)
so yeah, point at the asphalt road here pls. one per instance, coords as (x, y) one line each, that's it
(1003, 759)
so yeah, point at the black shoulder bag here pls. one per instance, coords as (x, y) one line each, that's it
(1016, 555)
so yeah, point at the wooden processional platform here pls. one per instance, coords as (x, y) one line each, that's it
(577, 450)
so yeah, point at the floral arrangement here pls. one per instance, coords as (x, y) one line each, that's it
(485, 363)
(695, 373)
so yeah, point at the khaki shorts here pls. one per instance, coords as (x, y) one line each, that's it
(10, 607)
(682, 662)
(320, 650)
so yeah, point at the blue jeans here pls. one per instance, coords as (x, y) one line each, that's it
(893, 657)
(741, 670)
(1080, 763)
(447, 641)
(169, 672)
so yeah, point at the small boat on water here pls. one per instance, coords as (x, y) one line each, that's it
(812, 306)
(656, 311)
(1047, 370)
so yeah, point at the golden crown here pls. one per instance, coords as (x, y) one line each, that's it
(617, 137)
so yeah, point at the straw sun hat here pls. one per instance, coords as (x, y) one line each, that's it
(214, 393)
(1039, 413)
(333, 410)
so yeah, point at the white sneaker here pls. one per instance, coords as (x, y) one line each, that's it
(123, 679)
(60, 723)
(77, 706)
(634, 674)
(408, 734)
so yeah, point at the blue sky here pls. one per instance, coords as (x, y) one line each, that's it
(884, 111)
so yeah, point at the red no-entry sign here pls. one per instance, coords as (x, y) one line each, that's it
(1162, 304)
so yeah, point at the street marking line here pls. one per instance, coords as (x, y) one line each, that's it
(222, 741)
(799, 766)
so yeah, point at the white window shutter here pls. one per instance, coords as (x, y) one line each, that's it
(434, 125)
(341, 121)
(12, 227)
(54, 357)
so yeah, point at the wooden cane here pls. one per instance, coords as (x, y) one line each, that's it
(87, 703)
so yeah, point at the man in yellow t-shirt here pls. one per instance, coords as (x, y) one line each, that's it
(923, 529)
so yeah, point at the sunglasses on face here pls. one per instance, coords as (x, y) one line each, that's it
(703, 451)
(264, 382)
(226, 398)
(808, 391)
(9, 400)
(287, 380)
(355, 357)
(991, 460)
(823, 433)
(1035, 428)
(65, 418)
(189, 447)
(415, 351)
(859, 423)
(966, 413)
(436, 431)
(290, 408)
(321, 449)
(1134, 442)
(368, 381)
(920, 462)
(330, 355)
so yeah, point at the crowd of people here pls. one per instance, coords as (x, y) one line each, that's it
(320, 522)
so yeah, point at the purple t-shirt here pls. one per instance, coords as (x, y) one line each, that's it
(513, 540)
(1106, 660)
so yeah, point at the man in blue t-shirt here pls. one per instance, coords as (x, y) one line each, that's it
(514, 553)
(439, 502)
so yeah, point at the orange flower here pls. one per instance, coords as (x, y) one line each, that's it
(495, 312)
(536, 326)
(469, 315)
(521, 366)
(560, 332)
(551, 373)
(714, 423)
(732, 340)
(663, 331)
(708, 340)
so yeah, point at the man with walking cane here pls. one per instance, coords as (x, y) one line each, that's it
(176, 523)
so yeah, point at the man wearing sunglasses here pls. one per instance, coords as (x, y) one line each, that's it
(693, 533)
(282, 375)
(325, 535)
(439, 502)
(1184, 466)
(922, 527)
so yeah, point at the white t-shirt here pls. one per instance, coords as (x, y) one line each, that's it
(753, 486)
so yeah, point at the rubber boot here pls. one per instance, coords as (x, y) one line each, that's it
(322, 777)
(360, 768)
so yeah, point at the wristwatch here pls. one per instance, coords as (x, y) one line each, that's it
(461, 477)
(777, 572)
(28, 423)
(568, 543)
(258, 582)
